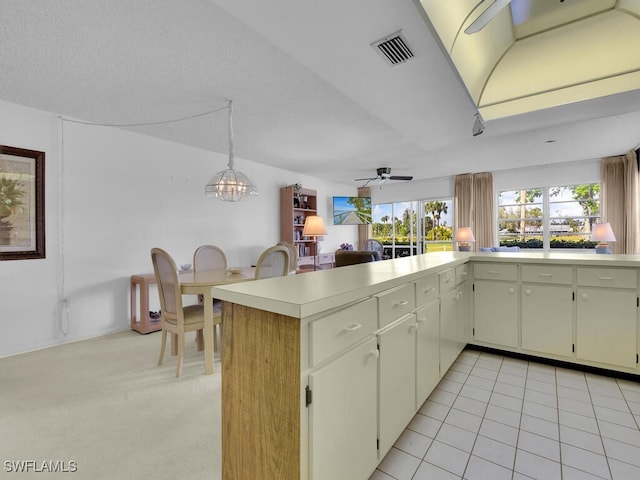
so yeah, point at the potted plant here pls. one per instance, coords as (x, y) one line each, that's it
(11, 193)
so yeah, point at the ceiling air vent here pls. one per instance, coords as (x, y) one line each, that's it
(394, 48)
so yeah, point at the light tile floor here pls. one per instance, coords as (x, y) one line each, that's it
(494, 418)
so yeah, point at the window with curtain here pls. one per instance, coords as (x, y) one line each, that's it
(548, 217)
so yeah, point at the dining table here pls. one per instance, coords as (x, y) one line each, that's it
(200, 283)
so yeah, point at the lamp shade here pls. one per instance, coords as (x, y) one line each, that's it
(314, 226)
(602, 232)
(465, 234)
(230, 185)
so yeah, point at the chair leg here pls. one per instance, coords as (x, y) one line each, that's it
(200, 340)
(162, 347)
(174, 344)
(180, 338)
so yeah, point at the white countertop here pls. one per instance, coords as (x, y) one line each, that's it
(308, 294)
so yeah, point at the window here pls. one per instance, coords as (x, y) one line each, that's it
(410, 228)
(549, 217)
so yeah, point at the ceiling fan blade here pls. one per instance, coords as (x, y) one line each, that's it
(363, 179)
(400, 177)
(486, 16)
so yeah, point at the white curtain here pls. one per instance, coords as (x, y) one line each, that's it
(473, 206)
(619, 201)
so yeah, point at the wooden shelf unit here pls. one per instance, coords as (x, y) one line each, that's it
(293, 211)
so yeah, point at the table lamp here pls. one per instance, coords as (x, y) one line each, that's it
(602, 233)
(464, 237)
(314, 227)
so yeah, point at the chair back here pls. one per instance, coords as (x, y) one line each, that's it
(293, 255)
(168, 284)
(273, 262)
(372, 245)
(209, 257)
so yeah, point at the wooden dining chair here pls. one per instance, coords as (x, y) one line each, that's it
(210, 257)
(293, 256)
(176, 318)
(273, 262)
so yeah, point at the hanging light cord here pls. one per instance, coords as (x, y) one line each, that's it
(230, 134)
(147, 124)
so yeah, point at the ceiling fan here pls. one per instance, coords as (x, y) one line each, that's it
(383, 174)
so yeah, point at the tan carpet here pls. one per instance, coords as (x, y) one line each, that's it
(106, 405)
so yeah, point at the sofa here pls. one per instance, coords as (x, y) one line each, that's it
(499, 249)
(352, 257)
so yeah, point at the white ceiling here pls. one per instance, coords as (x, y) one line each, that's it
(310, 95)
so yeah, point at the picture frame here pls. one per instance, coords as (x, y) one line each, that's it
(22, 214)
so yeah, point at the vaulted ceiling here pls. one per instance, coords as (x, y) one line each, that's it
(311, 94)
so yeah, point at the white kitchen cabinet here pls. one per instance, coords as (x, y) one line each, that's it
(463, 305)
(307, 349)
(448, 320)
(343, 415)
(495, 312)
(397, 380)
(607, 316)
(547, 309)
(428, 372)
(607, 326)
(547, 319)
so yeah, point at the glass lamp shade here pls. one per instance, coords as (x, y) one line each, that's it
(230, 185)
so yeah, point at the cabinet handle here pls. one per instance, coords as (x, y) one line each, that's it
(448, 280)
(605, 278)
(402, 303)
(430, 289)
(545, 275)
(494, 272)
(527, 291)
(585, 296)
(375, 353)
(512, 290)
(353, 327)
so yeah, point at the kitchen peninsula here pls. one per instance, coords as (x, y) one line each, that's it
(321, 372)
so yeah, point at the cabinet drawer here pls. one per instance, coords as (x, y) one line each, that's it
(462, 273)
(426, 289)
(395, 303)
(495, 271)
(447, 280)
(547, 274)
(336, 331)
(608, 277)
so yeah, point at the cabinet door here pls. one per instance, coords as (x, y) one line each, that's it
(427, 351)
(343, 415)
(397, 382)
(463, 314)
(495, 312)
(607, 326)
(547, 324)
(448, 331)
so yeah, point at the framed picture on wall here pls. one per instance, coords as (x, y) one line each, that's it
(21, 204)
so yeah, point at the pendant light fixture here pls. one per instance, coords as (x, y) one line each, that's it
(230, 185)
